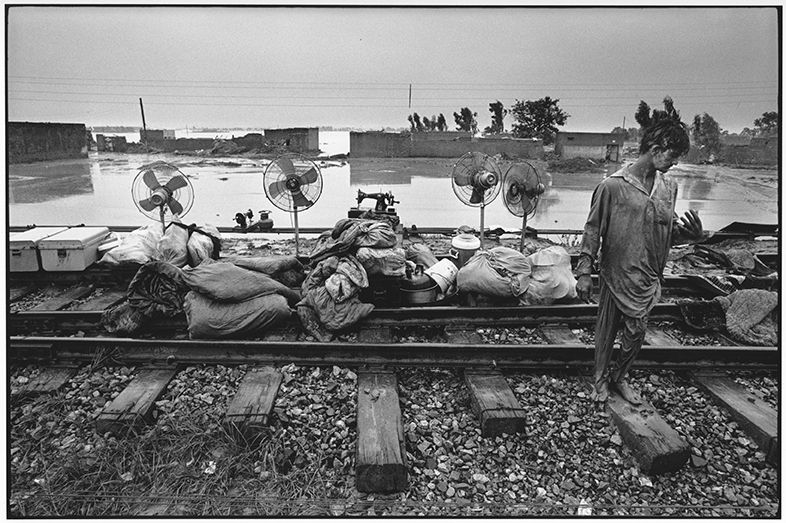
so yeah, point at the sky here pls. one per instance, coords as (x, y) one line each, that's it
(371, 66)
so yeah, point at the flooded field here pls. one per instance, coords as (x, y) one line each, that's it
(97, 191)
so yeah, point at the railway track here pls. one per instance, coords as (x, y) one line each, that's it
(534, 339)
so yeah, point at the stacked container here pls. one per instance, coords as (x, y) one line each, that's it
(23, 255)
(74, 249)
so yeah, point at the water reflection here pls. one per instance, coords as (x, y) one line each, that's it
(98, 191)
(41, 182)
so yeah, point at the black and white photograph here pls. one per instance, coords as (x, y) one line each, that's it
(392, 260)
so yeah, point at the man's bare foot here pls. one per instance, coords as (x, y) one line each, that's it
(600, 392)
(625, 390)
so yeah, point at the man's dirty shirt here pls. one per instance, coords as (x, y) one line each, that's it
(635, 229)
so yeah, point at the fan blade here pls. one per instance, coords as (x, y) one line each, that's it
(175, 206)
(477, 195)
(463, 179)
(308, 177)
(286, 166)
(150, 180)
(478, 159)
(276, 188)
(147, 205)
(300, 200)
(178, 182)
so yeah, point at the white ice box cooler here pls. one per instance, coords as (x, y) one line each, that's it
(72, 250)
(23, 253)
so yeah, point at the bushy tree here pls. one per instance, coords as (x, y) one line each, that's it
(644, 118)
(415, 124)
(465, 121)
(442, 125)
(538, 119)
(767, 125)
(498, 113)
(706, 134)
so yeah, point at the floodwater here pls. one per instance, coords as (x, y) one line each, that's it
(97, 191)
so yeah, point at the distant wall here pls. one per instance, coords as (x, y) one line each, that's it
(34, 141)
(454, 148)
(299, 139)
(600, 146)
(376, 144)
(379, 144)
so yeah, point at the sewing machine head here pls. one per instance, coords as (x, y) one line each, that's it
(384, 200)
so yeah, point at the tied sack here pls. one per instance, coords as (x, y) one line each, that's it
(173, 245)
(208, 319)
(226, 282)
(138, 247)
(203, 243)
(551, 277)
(501, 272)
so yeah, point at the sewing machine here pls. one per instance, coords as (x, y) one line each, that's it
(384, 205)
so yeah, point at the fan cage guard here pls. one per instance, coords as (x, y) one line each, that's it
(514, 176)
(469, 165)
(163, 172)
(276, 173)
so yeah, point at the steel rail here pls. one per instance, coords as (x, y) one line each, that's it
(379, 317)
(567, 356)
(436, 231)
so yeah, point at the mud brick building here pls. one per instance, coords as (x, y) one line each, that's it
(40, 141)
(596, 146)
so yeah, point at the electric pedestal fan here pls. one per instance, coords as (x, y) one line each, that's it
(160, 190)
(292, 182)
(476, 181)
(521, 192)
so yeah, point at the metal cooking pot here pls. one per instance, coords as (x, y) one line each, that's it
(417, 296)
(418, 287)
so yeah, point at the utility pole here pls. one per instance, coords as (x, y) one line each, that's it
(410, 96)
(623, 123)
(144, 126)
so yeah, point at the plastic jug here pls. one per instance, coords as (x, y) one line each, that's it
(464, 247)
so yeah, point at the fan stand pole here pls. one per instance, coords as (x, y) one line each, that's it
(297, 236)
(523, 232)
(482, 208)
(163, 222)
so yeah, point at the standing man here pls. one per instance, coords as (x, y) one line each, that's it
(633, 224)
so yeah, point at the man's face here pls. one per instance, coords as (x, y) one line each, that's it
(664, 159)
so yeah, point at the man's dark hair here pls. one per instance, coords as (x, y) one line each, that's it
(668, 134)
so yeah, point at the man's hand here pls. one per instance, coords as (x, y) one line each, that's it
(691, 227)
(584, 287)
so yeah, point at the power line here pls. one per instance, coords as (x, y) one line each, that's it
(402, 85)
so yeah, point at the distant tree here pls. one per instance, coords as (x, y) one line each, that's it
(767, 124)
(538, 119)
(498, 113)
(465, 121)
(706, 134)
(442, 125)
(426, 123)
(415, 123)
(645, 119)
(620, 130)
(747, 132)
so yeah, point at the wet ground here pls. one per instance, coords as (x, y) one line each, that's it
(97, 191)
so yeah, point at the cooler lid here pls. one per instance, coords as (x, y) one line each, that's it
(75, 238)
(29, 239)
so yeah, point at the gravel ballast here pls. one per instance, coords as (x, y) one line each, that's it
(569, 461)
